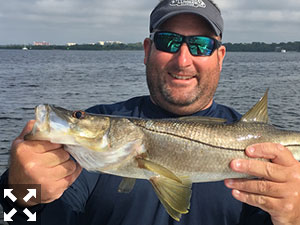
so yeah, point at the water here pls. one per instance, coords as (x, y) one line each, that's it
(79, 79)
(73, 79)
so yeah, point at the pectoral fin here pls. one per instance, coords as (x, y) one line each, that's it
(174, 196)
(126, 185)
(158, 169)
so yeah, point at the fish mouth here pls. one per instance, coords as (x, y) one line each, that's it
(41, 125)
(182, 77)
(51, 126)
(49, 117)
(42, 118)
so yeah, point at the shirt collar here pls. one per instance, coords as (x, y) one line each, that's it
(150, 110)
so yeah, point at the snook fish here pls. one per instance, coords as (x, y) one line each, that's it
(170, 153)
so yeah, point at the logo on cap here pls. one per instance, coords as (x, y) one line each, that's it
(193, 3)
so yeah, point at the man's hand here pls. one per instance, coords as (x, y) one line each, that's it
(41, 162)
(278, 189)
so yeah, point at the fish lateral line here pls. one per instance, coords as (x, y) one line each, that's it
(296, 145)
(190, 139)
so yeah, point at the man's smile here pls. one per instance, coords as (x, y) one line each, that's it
(181, 76)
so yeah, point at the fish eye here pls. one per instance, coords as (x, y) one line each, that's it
(78, 114)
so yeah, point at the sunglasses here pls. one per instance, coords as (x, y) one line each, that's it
(171, 42)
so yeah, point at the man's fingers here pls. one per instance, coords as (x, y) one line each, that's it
(278, 193)
(26, 129)
(274, 168)
(41, 162)
(266, 203)
(52, 193)
(38, 146)
(55, 157)
(67, 179)
(72, 177)
(64, 170)
(262, 169)
(275, 152)
(256, 186)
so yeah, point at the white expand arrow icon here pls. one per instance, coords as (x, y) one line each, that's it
(8, 216)
(31, 217)
(31, 193)
(7, 193)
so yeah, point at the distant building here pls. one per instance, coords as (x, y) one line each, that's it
(71, 44)
(100, 42)
(112, 42)
(280, 49)
(43, 43)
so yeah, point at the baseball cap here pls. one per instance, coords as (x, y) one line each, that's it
(204, 8)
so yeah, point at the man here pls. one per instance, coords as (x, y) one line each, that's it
(183, 59)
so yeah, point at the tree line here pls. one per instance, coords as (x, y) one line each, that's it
(131, 46)
(263, 47)
(231, 47)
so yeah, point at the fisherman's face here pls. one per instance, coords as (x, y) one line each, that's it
(180, 82)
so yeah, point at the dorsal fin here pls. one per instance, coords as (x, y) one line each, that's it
(259, 112)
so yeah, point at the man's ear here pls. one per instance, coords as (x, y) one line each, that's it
(147, 49)
(221, 55)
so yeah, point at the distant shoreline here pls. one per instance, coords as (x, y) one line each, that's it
(231, 47)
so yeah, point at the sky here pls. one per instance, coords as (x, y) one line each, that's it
(90, 21)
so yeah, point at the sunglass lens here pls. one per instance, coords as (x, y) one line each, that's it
(167, 42)
(201, 45)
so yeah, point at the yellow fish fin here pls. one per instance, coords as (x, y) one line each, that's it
(259, 112)
(174, 196)
(126, 185)
(158, 169)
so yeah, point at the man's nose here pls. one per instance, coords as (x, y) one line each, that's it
(183, 56)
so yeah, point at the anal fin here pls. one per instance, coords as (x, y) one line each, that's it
(174, 196)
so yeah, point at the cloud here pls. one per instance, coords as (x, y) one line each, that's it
(84, 21)
(89, 20)
(256, 20)
(258, 4)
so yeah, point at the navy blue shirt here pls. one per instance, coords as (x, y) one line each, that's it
(93, 198)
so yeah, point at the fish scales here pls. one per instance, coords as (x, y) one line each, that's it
(167, 145)
(204, 151)
(235, 136)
